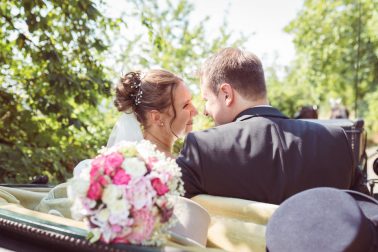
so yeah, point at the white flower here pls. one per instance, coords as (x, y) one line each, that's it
(119, 213)
(114, 148)
(119, 207)
(134, 167)
(103, 215)
(77, 188)
(81, 208)
(111, 194)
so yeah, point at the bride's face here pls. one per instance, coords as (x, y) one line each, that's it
(185, 111)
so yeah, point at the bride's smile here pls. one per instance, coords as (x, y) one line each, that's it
(185, 111)
(177, 120)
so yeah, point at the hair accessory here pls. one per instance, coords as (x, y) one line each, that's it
(137, 97)
(142, 74)
(137, 85)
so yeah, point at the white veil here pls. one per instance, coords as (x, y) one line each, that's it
(127, 128)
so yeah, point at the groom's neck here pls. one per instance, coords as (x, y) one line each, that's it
(243, 103)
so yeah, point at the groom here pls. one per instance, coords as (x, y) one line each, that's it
(256, 152)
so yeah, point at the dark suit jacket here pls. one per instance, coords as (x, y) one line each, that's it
(267, 157)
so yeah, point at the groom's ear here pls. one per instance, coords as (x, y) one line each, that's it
(227, 92)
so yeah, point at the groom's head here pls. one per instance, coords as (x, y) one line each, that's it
(231, 81)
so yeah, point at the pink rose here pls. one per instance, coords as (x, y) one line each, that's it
(97, 164)
(102, 180)
(121, 177)
(94, 191)
(143, 226)
(112, 161)
(159, 186)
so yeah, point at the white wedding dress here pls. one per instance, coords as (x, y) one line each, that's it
(127, 128)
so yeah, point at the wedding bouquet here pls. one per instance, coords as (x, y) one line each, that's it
(127, 194)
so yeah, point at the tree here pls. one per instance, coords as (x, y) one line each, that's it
(291, 92)
(52, 82)
(337, 48)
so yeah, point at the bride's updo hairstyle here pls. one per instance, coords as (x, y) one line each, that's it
(139, 93)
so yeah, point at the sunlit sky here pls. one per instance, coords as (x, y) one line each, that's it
(264, 20)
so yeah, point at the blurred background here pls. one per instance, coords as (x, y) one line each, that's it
(60, 60)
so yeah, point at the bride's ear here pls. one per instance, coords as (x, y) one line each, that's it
(155, 117)
(227, 92)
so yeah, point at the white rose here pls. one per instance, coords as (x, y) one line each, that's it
(119, 213)
(111, 194)
(119, 207)
(134, 167)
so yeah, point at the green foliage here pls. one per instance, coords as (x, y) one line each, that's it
(52, 82)
(333, 40)
(291, 93)
(371, 114)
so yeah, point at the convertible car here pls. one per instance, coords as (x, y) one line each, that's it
(31, 220)
(233, 225)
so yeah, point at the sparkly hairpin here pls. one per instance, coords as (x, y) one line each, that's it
(136, 84)
(138, 95)
(142, 74)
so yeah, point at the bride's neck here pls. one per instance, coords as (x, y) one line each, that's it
(163, 143)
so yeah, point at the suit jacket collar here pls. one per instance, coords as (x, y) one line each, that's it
(263, 111)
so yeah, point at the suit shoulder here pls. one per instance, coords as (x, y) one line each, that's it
(211, 133)
(322, 125)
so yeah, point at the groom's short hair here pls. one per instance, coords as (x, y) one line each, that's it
(242, 70)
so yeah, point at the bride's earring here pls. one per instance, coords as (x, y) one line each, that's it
(161, 124)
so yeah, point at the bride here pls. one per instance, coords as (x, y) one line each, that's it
(157, 106)
(158, 102)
